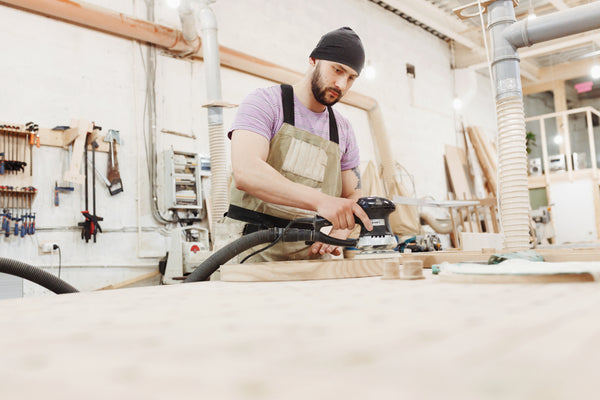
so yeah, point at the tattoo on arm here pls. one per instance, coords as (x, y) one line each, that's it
(357, 173)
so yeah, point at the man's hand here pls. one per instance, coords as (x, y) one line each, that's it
(340, 212)
(323, 248)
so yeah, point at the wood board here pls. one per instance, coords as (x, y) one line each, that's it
(520, 271)
(549, 255)
(302, 270)
(547, 278)
(458, 169)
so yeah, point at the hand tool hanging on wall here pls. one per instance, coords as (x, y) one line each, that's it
(114, 177)
(16, 206)
(58, 189)
(12, 138)
(34, 138)
(91, 226)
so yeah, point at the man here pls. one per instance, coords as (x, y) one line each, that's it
(293, 156)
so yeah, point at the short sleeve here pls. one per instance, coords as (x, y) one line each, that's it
(257, 113)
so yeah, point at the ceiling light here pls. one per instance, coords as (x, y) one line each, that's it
(173, 3)
(457, 103)
(531, 14)
(370, 71)
(595, 71)
(558, 139)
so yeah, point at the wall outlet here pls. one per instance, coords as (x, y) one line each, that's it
(47, 247)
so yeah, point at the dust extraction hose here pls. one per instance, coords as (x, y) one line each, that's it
(514, 192)
(35, 275)
(226, 253)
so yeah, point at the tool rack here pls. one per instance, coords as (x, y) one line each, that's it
(16, 211)
(16, 144)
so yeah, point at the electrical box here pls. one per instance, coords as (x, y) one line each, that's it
(183, 173)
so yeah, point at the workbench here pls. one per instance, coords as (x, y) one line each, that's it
(360, 338)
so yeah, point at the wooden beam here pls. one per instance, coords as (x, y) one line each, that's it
(566, 71)
(537, 88)
(303, 270)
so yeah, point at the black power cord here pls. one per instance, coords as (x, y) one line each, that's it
(273, 243)
(56, 247)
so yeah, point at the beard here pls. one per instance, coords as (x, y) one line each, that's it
(319, 89)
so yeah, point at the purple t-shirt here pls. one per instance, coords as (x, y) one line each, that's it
(262, 112)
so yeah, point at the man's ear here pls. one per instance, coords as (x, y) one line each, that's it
(312, 61)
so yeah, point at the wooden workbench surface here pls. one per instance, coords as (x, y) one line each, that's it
(362, 338)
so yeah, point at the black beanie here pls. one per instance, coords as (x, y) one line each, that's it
(342, 46)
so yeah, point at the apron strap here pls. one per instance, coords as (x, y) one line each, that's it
(333, 131)
(287, 98)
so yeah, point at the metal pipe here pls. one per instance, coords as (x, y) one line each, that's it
(513, 185)
(188, 24)
(552, 26)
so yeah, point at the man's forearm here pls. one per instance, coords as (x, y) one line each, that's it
(263, 181)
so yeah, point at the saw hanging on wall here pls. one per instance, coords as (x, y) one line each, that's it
(114, 177)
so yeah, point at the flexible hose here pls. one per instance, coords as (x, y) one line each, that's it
(514, 192)
(226, 253)
(35, 275)
(218, 170)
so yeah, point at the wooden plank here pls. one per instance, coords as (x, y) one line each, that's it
(458, 169)
(488, 147)
(549, 255)
(303, 270)
(131, 281)
(74, 173)
(538, 278)
(486, 160)
(58, 138)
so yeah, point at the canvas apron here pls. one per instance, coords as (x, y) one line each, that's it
(301, 157)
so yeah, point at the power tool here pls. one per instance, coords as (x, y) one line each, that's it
(378, 210)
(381, 238)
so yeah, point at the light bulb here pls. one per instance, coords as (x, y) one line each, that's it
(531, 16)
(558, 139)
(370, 72)
(457, 104)
(595, 71)
(173, 3)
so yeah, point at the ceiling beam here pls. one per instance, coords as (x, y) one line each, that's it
(436, 19)
(566, 71)
(559, 4)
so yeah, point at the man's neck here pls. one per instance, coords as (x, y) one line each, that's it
(303, 91)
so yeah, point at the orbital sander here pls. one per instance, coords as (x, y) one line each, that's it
(378, 209)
